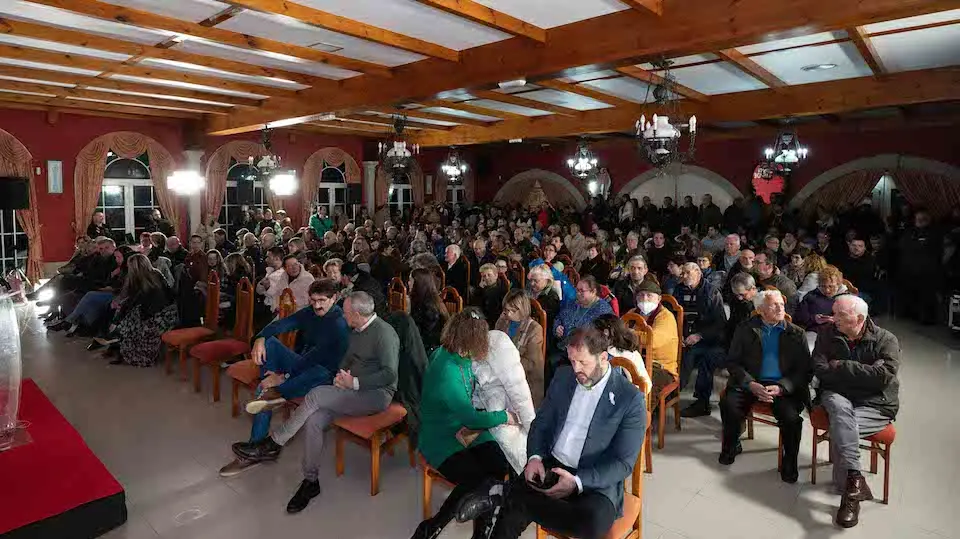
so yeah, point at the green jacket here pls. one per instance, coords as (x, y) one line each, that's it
(446, 406)
(320, 226)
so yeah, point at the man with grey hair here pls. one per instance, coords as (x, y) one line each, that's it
(456, 270)
(704, 322)
(364, 385)
(730, 256)
(857, 363)
(743, 289)
(768, 362)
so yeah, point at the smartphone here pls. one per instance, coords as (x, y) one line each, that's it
(548, 481)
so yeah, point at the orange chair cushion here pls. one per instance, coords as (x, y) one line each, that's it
(886, 436)
(246, 372)
(624, 525)
(219, 351)
(186, 336)
(366, 426)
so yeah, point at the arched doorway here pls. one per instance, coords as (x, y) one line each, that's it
(127, 198)
(557, 189)
(329, 175)
(688, 180)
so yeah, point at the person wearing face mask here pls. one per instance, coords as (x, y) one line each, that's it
(662, 350)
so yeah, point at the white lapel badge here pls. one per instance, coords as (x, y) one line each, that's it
(613, 401)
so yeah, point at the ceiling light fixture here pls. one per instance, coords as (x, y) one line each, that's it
(818, 67)
(659, 139)
(281, 183)
(185, 182)
(584, 163)
(515, 83)
(396, 157)
(515, 140)
(454, 167)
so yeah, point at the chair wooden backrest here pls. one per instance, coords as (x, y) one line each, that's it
(850, 288)
(538, 314)
(452, 300)
(397, 295)
(517, 268)
(503, 279)
(635, 321)
(636, 478)
(440, 275)
(243, 327)
(288, 306)
(567, 261)
(466, 265)
(671, 303)
(572, 275)
(211, 313)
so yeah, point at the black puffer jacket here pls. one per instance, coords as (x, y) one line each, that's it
(867, 370)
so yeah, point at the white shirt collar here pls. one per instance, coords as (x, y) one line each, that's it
(362, 328)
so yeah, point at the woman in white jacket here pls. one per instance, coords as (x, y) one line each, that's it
(502, 385)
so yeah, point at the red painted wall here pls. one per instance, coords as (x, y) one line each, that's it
(734, 159)
(63, 140)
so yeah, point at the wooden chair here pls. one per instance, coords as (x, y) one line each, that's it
(179, 341)
(452, 300)
(440, 275)
(375, 432)
(567, 261)
(538, 314)
(571, 275)
(850, 288)
(630, 525)
(879, 445)
(503, 279)
(428, 475)
(287, 306)
(517, 268)
(214, 353)
(665, 401)
(762, 412)
(638, 324)
(397, 295)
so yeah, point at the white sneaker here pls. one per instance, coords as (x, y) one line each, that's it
(237, 467)
(254, 407)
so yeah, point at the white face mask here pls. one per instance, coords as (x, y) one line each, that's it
(647, 307)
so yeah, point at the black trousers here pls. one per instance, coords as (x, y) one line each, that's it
(587, 515)
(468, 469)
(734, 407)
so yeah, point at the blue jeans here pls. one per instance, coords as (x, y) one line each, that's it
(279, 359)
(92, 305)
(706, 358)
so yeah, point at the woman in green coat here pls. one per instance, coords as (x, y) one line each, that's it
(454, 436)
(320, 222)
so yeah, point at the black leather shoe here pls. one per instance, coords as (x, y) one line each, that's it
(848, 515)
(59, 326)
(476, 504)
(727, 457)
(308, 490)
(265, 449)
(789, 473)
(428, 529)
(699, 408)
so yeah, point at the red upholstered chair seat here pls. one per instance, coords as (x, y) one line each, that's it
(219, 351)
(180, 337)
(246, 372)
(886, 436)
(366, 426)
(820, 420)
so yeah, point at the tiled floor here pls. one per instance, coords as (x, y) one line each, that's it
(165, 443)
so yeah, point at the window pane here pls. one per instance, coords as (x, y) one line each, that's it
(113, 195)
(7, 218)
(258, 195)
(140, 217)
(231, 195)
(395, 197)
(340, 195)
(331, 175)
(142, 195)
(323, 195)
(115, 218)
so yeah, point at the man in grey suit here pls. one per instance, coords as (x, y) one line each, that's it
(587, 435)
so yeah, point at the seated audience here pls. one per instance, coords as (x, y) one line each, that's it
(175, 251)
(704, 322)
(145, 244)
(527, 335)
(663, 350)
(331, 270)
(97, 289)
(625, 288)
(742, 305)
(541, 283)
(364, 385)
(659, 254)
(728, 259)
(768, 362)
(713, 242)
(594, 264)
(221, 243)
(769, 275)
(456, 270)
(812, 265)
(428, 312)
(489, 294)
(815, 312)
(286, 374)
(857, 363)
(588, 307)
(145, 313)
(355, 279)
(588, 494)
(455, 437)
(794, 269)
(296, 279)
(623, 342)
(671, 279)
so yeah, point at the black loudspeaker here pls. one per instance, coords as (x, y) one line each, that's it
(245, 192)
(354, 193)
(14, 194)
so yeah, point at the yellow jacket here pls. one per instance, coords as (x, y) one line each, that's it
(664, 348)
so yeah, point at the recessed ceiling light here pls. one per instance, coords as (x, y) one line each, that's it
(325, 47)
(818, 67)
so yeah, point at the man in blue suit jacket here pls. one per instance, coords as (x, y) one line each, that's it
(588, 431)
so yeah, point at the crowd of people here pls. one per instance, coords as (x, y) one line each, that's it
(772, 299)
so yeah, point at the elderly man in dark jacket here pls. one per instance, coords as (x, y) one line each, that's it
(768, 362)
(857, 364)
(703, 335)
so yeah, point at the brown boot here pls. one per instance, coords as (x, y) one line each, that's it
(857, 490)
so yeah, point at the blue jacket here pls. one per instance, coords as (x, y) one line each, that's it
(573, 316)
(321, 342)
(568, 290)
(614, 437)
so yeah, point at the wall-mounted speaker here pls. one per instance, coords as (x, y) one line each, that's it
(14, 194)
(354, 193)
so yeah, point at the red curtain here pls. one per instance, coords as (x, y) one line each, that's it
(312, 170)
(935, 192)
(848, 189)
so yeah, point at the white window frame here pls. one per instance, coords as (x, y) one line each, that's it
(129, 209)
(332, 188)
(228, 225)
(456, 194)
(11, 260)
(402, 202)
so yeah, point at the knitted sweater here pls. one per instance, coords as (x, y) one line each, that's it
(321, 342)
(373, 356)
(573, 316)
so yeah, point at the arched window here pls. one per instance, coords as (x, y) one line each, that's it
(332, 190)
(400, 194)
(240, 199)
(127, 199)
(13, 242)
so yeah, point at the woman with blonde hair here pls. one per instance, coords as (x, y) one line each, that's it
(527, 335)
(815, 312)
(812, 265)
(455, 437)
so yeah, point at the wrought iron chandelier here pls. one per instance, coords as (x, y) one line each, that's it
(281, 182)
(786, 151)
(584, 164)
(396, 156)
(454, 167)
(658, 139)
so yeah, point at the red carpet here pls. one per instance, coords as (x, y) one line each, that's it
(55, 486)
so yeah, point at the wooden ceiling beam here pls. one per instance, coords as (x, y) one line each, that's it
(489, 17)
(61, 91)
(586, 91)
(337, 130)
(861, 40)
(600, 42)
(465, 106)
(834, 97)
(350, 27)
(143, 19)
(650, 77)
(422, 114)
(519, 101)
(751, 67)
(58, 102)
(87, 112)
(378, 120)
(112, 84)
(646, 6)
